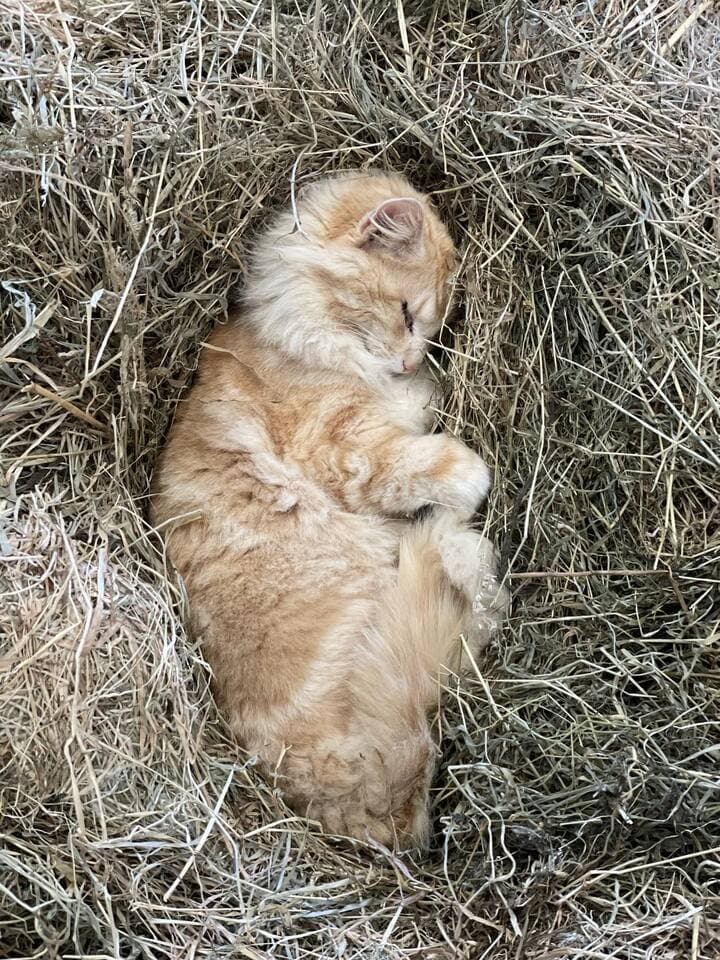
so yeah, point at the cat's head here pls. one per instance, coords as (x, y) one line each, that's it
(356, 276)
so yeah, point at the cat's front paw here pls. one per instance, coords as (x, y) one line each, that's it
(467, 483)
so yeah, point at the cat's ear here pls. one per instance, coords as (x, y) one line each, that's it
(395, 226)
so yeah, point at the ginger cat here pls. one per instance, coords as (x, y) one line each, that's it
(286, 493)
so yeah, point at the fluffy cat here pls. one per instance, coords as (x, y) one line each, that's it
(286, 493)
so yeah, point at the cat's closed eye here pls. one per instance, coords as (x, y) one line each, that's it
(407, 316)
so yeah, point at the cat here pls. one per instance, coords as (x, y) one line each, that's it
(287, 491)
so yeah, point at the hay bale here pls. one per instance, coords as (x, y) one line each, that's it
(573, 149)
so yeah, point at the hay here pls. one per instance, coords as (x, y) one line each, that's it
(574, 151)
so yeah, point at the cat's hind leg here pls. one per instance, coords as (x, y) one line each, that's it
(361, 760)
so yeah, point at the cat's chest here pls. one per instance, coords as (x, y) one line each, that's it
(409, 403)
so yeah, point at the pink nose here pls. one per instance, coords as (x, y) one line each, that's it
(410, 366)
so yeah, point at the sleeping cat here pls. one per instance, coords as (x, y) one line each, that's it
(286, 493)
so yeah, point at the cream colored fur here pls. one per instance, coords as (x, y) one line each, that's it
(330, 617)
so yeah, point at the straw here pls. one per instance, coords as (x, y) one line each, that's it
(573, 151)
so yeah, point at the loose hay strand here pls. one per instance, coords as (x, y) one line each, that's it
(573, 150)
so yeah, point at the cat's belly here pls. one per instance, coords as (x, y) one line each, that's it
(272, 604)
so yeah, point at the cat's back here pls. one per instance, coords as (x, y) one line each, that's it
(200, 467)
(234, 382)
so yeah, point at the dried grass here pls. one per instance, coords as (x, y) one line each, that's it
(574, 148)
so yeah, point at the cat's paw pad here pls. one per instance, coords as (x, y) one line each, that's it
(491, 605)
(490, 601)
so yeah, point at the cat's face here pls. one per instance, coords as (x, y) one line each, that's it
(356, 278)
(382, 267)
(392, 292)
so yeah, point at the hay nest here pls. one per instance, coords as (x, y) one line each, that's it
(573, 149)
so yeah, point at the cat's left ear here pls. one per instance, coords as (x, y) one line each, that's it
(395, 226)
